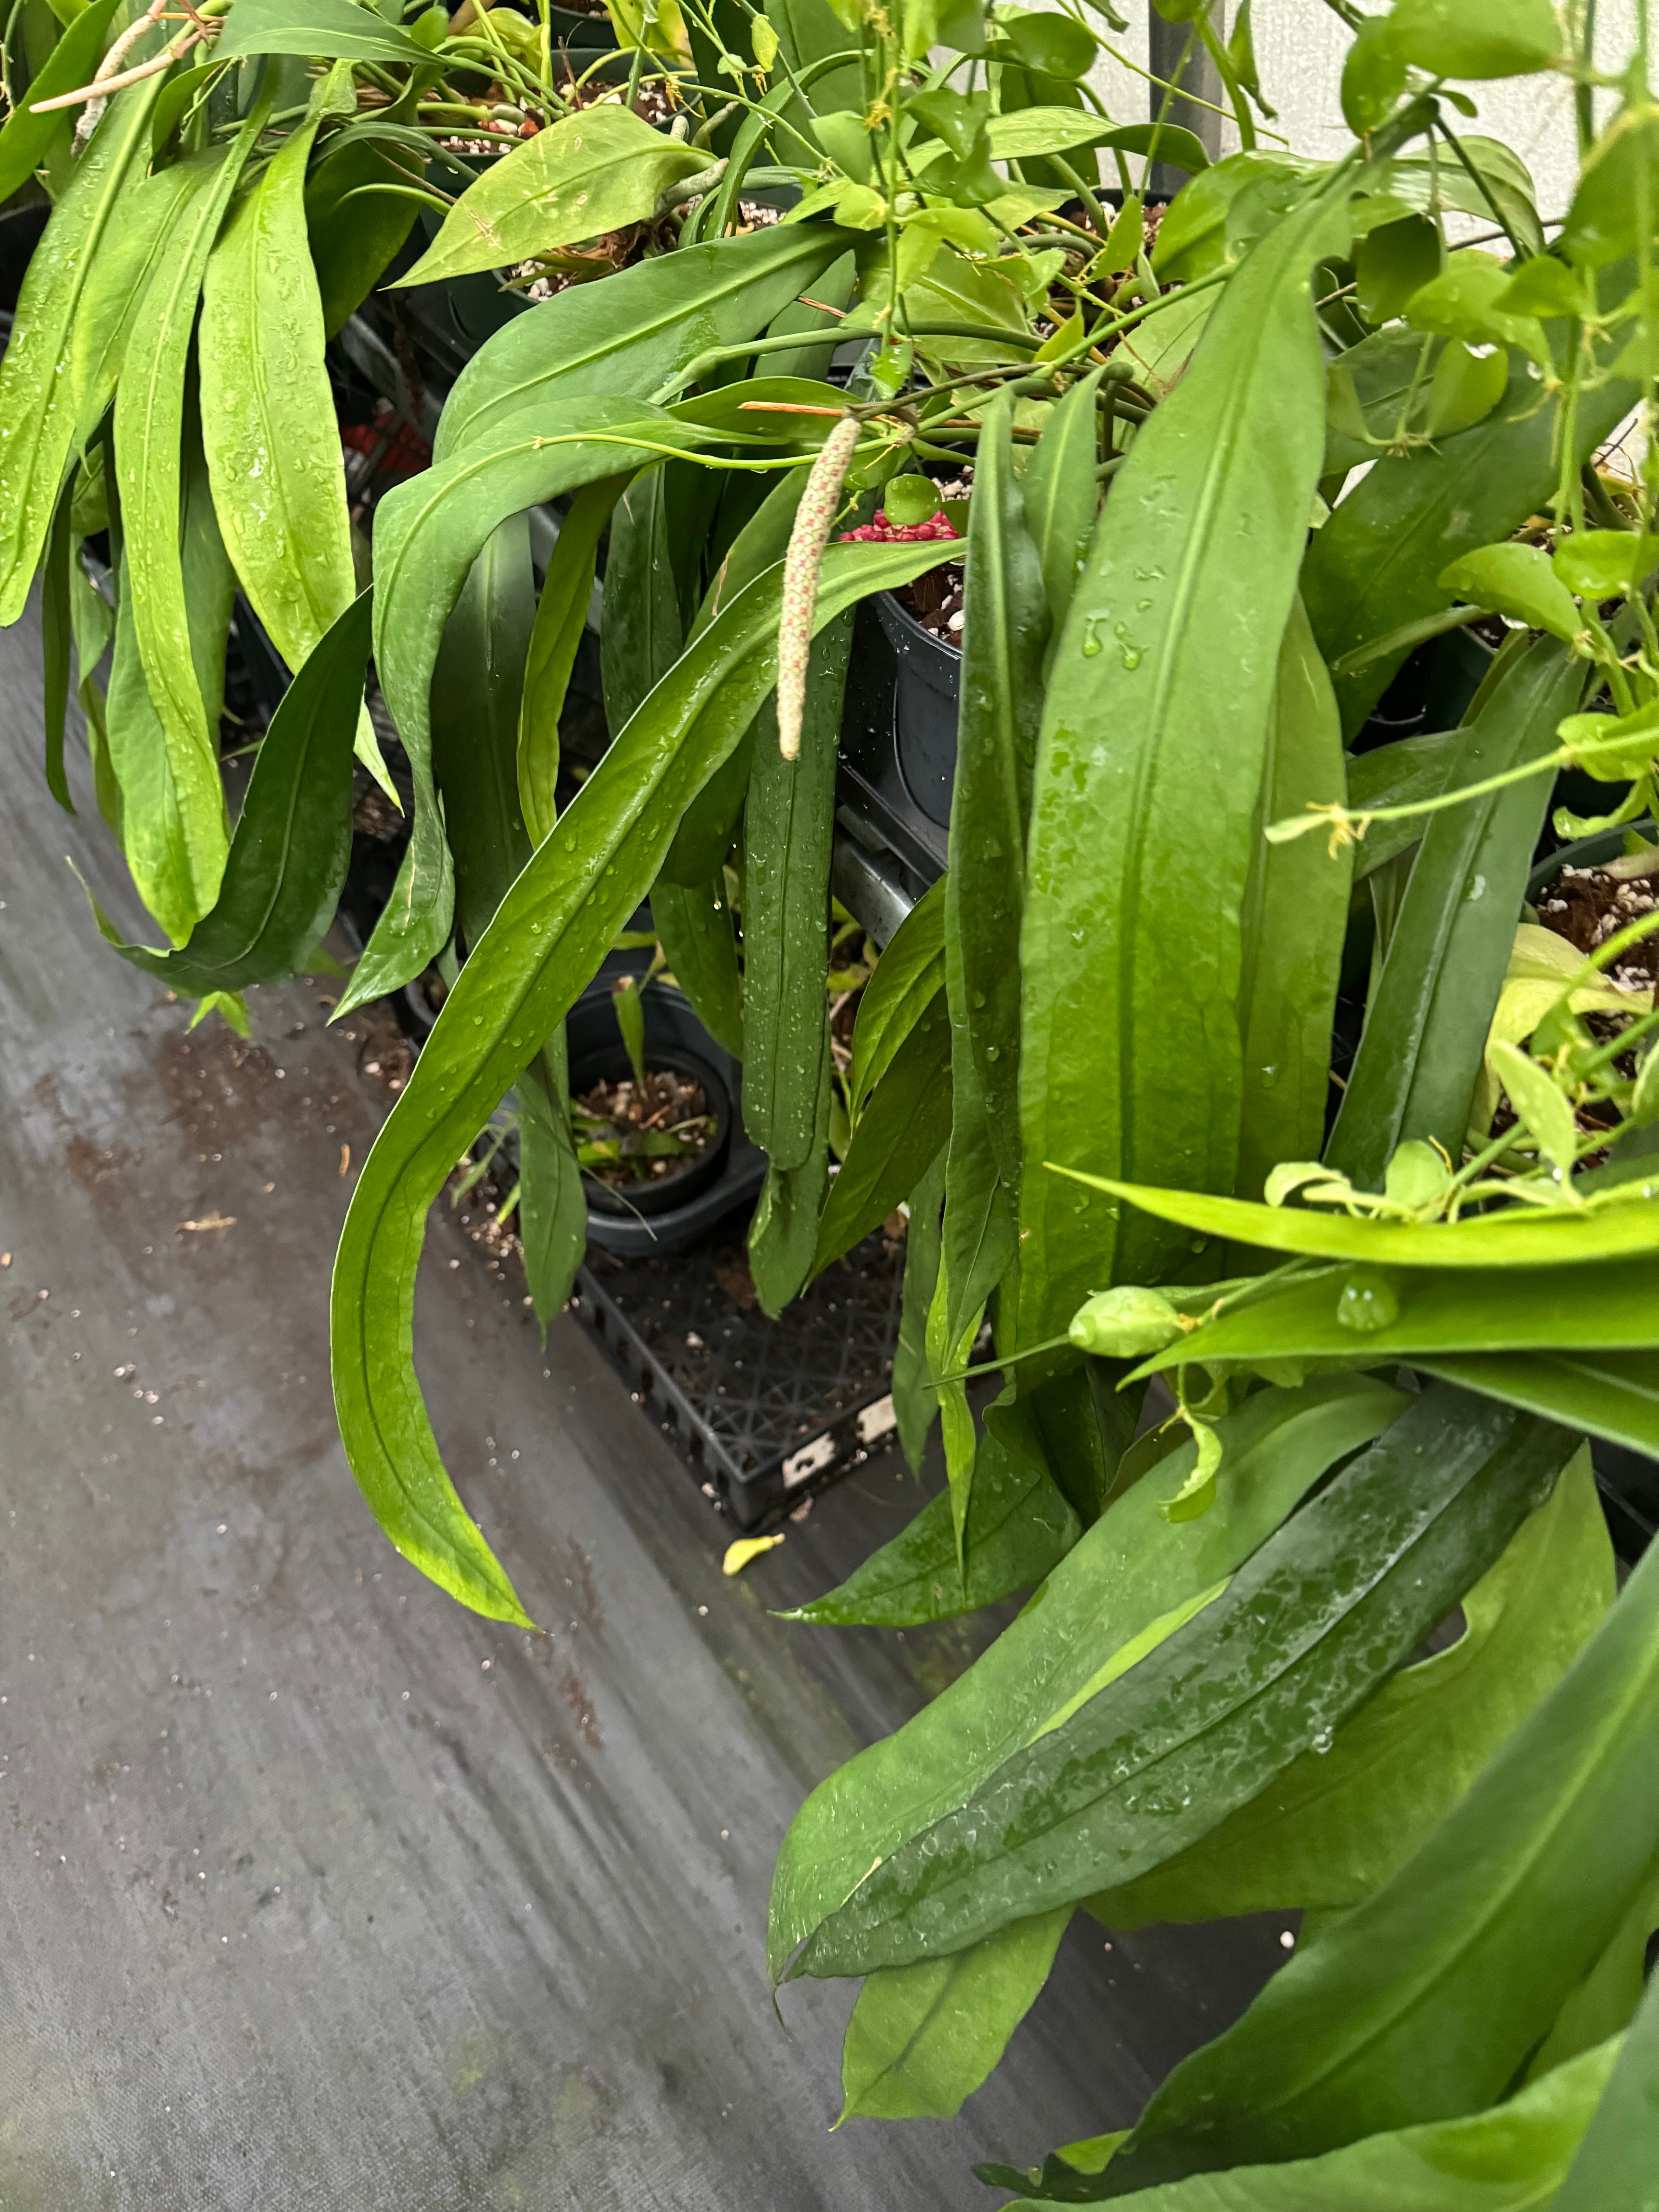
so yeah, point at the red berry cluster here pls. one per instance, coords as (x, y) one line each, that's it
(881, 532)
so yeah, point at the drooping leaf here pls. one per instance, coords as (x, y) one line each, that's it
(36, 399)
(1251, 1675)
(354, 239)
(428, 534)
(1129, 1572)
(273, 446)
(288, 857)
(1019, 1527)
(923, 2038)
(149, 403)
(1613, 1394)
(1060, 499)
(141, 238)
(555, 925)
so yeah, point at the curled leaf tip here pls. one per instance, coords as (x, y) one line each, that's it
(813, 521)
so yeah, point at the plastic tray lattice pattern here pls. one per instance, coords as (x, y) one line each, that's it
(762, 1410)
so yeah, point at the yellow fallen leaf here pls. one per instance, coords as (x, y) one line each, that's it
(738, 1555)
(210, 1221)
(345, 1159)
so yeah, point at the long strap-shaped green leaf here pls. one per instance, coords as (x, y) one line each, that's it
(428, 535)
(1430, 1011)
(273, 446)
(1128, 1572)
(148, 426)
(1002, 704)
(36, 408)
(1148, 777)
(1425, 2001)
(293, 839)
(1294, 919)
(553, 929)
(1296, 1643)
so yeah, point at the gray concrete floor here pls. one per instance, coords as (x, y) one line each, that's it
(315, 1891)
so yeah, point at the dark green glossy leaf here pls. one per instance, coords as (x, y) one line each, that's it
(1019, 1527)
(642, 628)
(1426, 1022)
(783, 1230)
(909, 976)
(1001, 693)
(1272, 1664)
(288, 857)
(1061, 497)
(923, 2038)
(695, 928)
(1337, 1824)
(140, 240)
(1106, 1604)
(915, 1401)
(27, 137)
(562, 915)
(622, 338)
(478, 685)
(895, 1139)
(1423, 2002)
(1292, 923)
(560, 618)
(787, 827)
(352, 245)
(1153, 737)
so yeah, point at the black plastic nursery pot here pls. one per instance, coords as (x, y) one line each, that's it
(663, 1214)
(898, 758)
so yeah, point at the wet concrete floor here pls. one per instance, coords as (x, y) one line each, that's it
(315, 1891)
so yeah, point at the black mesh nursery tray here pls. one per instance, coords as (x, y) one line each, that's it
(762, 1410)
